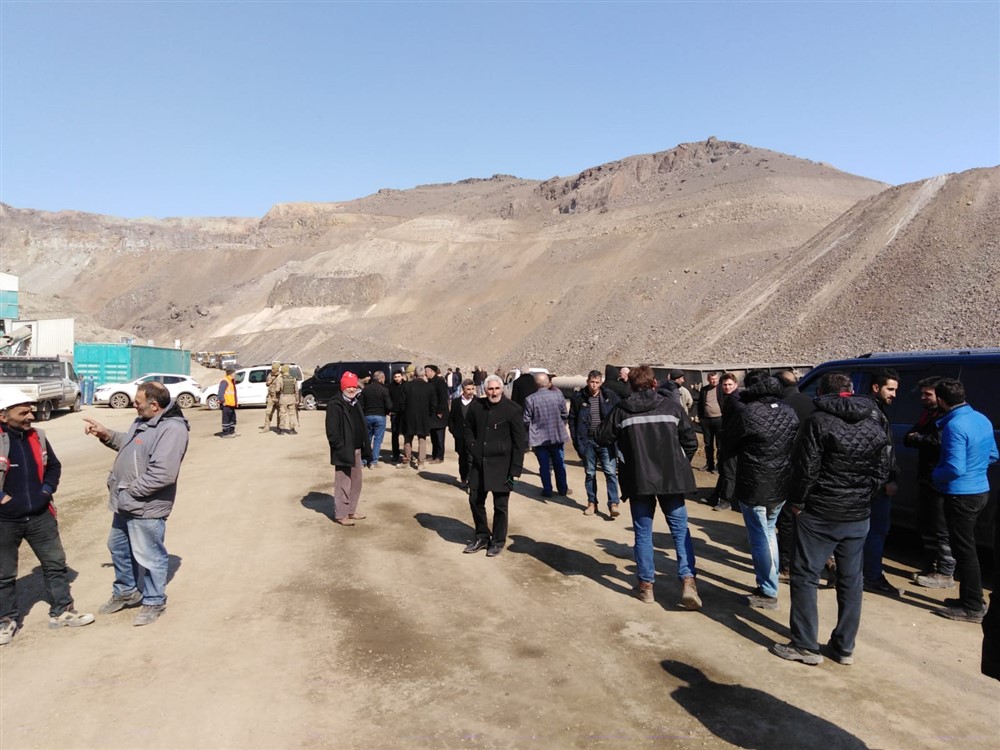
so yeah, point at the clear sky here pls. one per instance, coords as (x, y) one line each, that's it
(226, 108)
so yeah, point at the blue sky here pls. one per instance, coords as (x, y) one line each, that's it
(226, 108)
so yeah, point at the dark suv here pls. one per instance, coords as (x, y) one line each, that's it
(979, 371)
(325, 382)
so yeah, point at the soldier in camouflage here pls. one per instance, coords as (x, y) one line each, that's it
(273, 382)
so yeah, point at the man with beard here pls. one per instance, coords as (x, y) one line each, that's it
(496, 439)
(884, 386)
(398, 403)
(439, 412)
(456, 426)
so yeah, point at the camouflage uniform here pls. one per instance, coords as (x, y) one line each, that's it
(273, 382)
(288, 400)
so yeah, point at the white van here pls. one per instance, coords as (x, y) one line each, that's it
(251, 386)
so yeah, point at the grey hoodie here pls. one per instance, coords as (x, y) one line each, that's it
(143, 479)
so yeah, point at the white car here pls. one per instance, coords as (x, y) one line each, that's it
(251, 386)
(184, 389)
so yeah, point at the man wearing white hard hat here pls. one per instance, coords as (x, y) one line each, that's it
(29, 476)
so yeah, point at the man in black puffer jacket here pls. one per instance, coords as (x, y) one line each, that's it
(841, 458)
(762, 437)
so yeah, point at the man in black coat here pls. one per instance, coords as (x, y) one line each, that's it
(761, 439)
(418, 397)
(439, 412)
(803, 406)
(398, 399)
(496, 440)
(522, 387)
(841, 458)
(376, 403)
(349, 448)
(456, 426)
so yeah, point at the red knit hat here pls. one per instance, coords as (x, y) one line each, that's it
(348, 380)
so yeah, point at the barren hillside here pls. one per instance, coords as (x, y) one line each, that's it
(674, 255)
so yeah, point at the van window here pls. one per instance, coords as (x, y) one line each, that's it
(295, 371)
(238, 377)
(258, 376)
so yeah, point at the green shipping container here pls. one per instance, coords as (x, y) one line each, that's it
(120, 363)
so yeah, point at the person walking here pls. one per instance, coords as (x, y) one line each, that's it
(439, 412)
(228, 401)
(657, 441)
(456, 426)
(288, 402)
(545, 416)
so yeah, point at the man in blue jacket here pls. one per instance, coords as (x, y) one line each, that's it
(968, 447)
(29, 476)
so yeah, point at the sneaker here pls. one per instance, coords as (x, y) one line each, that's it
(7, 630)
(839, 656)
(935, 581)
(758, 600)
(148, 614)
(961, 614)
(722, 505)
(793, 653)
(882, 586)
(70, 618)
(118, 602)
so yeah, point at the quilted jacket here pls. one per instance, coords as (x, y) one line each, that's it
(841, 458)
(763, 434)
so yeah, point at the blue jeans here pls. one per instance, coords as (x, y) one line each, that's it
(137, 544)
(875, 542)
(815, 540)
(591, 452)
(643, 510)
(760, 523)
(551, 457)
(376, 431)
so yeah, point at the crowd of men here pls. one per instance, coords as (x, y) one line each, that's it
(813, 478)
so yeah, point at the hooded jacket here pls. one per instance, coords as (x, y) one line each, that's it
(841, 458)
(763, 434)
(143, 478)
(656, 442)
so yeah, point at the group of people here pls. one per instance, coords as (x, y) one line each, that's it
(142, 487)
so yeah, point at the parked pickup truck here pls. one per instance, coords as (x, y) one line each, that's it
(49, 381)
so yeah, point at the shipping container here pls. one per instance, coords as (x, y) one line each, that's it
(120, 363)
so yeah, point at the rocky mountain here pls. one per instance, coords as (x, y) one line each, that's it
(706, 251)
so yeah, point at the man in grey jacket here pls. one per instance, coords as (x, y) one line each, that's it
(142, 487)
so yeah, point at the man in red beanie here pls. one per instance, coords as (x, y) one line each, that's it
(347, 434)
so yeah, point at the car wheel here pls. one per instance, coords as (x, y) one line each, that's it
(185, 400)
(119, 401)
(212, 402)
(309, 402)
(44, 411)
(78, 404)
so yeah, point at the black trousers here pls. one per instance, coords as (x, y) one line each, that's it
(463, 456)
(711, 428)
(41, 532)
(477, 502)
(437, 442)
(786, 536)
(397, 433)
(962, 512)
(934, 531)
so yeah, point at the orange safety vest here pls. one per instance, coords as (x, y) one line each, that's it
(229, 397)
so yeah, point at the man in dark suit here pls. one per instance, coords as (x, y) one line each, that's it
(456, 426)
(496, 440)
(439, 412)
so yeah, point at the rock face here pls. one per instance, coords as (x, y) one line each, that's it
(707, 251)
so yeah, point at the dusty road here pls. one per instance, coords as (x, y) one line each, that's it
(285, 630)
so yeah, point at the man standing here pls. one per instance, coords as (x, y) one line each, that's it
(496, 440)
(939, 565)
(229, 402)
(731, 406)
(545, 418)
(588, 408)
(29, 477)
(398, 404)
(522, 387)
(686, 399)
(803, 406)
(456, 426)
(657, 441)
(439, 412)
(968, 447)
(841, 457)
(349, 448)
(885, 384)
(710, 418)
(376, 403)
(288, 402)
(143, 487)
(418, 397)
(762, 438)
(620, 385)
(273, 383)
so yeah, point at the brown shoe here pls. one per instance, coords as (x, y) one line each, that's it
(644, 592)
(613, 511)
(356, 516)
(344, 521)
(689, 595)
(591, 509)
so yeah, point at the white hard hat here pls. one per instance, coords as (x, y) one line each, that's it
(11, 396)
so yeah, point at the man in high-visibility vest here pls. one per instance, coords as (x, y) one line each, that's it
(227, 399)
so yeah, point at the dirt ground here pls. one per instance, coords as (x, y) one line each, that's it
(286, 630)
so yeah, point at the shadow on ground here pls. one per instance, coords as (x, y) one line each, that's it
(320, 502)
(450, 529)
(750, 718)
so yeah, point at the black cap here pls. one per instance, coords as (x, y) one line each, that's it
(674, 374)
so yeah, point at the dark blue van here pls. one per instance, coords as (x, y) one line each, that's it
(979, 371)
